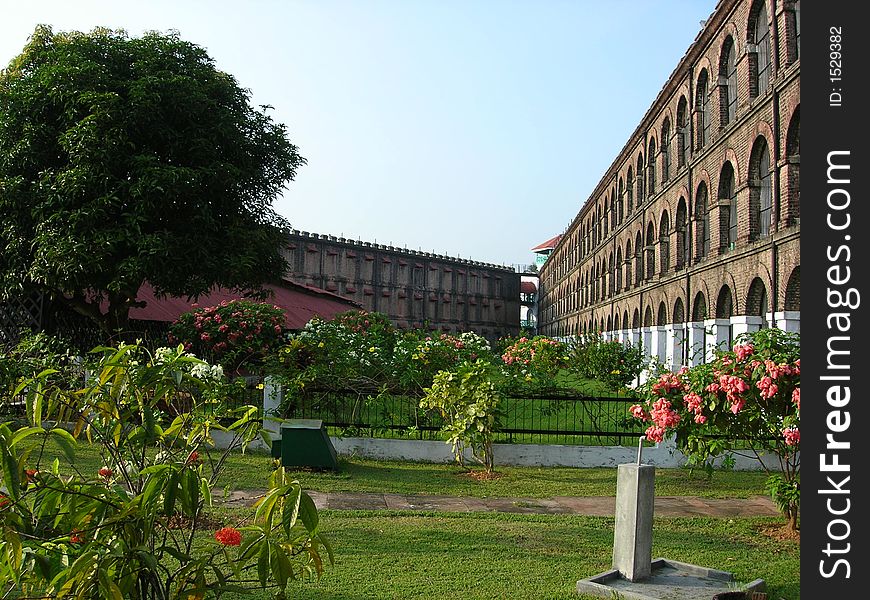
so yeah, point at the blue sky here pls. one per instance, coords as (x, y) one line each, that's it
(471, 128)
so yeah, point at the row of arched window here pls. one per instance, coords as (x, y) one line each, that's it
(756, 303)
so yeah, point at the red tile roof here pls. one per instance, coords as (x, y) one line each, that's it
(548, 245)
(300, 302)
(528, 287)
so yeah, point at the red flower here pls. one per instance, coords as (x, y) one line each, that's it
(76, 537)
(228, 536)
(4, 501)
(31, 475)
(193, 457)
(105, 472)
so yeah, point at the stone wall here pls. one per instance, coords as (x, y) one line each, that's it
(414, 289)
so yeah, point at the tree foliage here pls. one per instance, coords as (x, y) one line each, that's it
(125, 160)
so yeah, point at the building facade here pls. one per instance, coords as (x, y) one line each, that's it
(692, 235)
(414, 289)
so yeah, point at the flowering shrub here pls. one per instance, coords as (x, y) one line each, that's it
(613, 363)
(235, 333)
(354, 347)
(534, 360)
(127, 529)
(748, 399)
(418, 356)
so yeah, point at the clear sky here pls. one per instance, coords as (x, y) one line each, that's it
(472, 128)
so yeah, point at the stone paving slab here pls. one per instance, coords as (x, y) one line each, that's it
(602, 506)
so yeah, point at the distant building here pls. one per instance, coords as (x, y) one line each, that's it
(692, 235)
(414, 289)
(542, 251)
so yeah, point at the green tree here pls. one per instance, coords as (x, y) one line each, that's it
(125, 160)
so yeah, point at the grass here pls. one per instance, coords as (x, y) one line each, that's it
(250, 471)
(481, 556)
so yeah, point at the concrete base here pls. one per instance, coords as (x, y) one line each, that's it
(670, 580)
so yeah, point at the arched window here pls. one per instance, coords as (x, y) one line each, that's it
(628, 256)
(651, 167)
(757, 303)
(728, 83)
(664, 243)
(612, 209)
(611, 279)
(759, 68)
(666, 159)
(702, 104)
(638, 259)
(699, 307)
(662, 316)
(640, 179)
(682, 132)
(650, 250)
(629, 192)
(702, 222)
(618, 267)
(760, 192)
(683, 240)
(594, 225)
(728, 215)
(620, 212)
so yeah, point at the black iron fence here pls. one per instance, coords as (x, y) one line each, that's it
(537, 420)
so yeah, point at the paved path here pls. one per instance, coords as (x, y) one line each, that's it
(603, 506)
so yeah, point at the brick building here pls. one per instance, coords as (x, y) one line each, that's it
(692, 235)
(414, 289)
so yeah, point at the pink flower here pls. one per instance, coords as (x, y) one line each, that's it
(638, 412)
(655, 434)
(792, 436)
(743, 350)
(796, 398)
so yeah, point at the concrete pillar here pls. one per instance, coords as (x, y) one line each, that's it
(697, 343)
(632, 535)
(646, 339)
(675, 334)
(745, 324)
(718, 336)
(659, 343)
(787, 320)
(634, 336)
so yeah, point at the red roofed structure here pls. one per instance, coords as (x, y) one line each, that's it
(548, 245)
(300, 302)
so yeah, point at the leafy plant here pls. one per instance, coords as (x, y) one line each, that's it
(468, 401)
(130, 530)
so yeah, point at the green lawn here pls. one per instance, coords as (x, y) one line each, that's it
(251, 471)
(477, 556)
